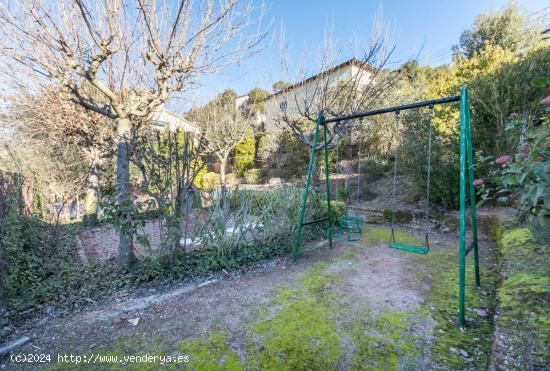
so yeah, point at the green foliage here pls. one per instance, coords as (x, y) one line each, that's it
(243, 155)
(342, 193)
(41, 270)
(253, 176)
(401, 216)
(256, 101)
(209, 181)
(413, 158)
(199, 164)
(337, 210)
(298, 156)
(38, 201)
(525, 176)
(211, 352)
(508, 28)
(372, 169)
(499, 80)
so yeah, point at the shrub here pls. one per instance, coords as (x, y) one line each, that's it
(524, 176)
(372, 169)
(230, 179)
(210, 180)
(253, 176)
(413, 159)
(337, 211)
(298, 156)
(243, 155)
(341, 193)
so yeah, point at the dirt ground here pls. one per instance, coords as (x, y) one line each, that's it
(385, 279)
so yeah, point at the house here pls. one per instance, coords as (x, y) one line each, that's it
(161, 118)
(287, 98)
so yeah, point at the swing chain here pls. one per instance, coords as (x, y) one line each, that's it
(429, 168)
(394, 192)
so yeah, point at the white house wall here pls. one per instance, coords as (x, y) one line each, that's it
(306, 93)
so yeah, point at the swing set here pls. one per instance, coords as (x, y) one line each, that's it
(350, 227)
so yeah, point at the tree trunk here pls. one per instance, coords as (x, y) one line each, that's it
(92, 194)
(222, 172)
(125, 253)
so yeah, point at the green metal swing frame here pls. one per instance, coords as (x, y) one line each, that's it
(349, 226)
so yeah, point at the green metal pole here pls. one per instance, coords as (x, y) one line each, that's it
(471, 186)
(327, 182)
(462, 249)
(304, 200)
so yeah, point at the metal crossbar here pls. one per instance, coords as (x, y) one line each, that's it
(427, 103)
(315, 221)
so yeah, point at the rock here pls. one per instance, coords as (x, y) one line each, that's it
(452, 350)
(116, 321)
(463, 353)
(481, 312)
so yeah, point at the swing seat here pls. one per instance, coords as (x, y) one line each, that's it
(410, 248)
(350, 229)
(423, 250)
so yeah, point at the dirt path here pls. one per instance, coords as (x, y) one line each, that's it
(364, 279)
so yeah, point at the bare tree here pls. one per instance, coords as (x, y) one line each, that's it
(223, 128)
(137, 54)
(49, 122)
(368, 82)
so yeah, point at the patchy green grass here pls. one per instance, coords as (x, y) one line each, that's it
(456, 348)
(303, 333)
(211, 352)
(374, 235)
(118, 356)
(524, 297)
(303, 329)
(383, 342)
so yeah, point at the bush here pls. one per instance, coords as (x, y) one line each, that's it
(298, 156)
(372, 169)
(230, 179)
(253, 176)
(337, 211)
(524, 176)
(341, 193)
(413, 159)
(210, 180)
(243, 155)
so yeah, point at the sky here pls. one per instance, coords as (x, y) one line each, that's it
(424, 29)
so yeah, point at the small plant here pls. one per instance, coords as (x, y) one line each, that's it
(210, 180)
(342, 193)
(372, 169)
(523, 177)
(253, 176)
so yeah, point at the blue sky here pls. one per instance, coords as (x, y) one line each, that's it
(431, 27)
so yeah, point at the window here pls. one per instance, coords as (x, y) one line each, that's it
(282, 105)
